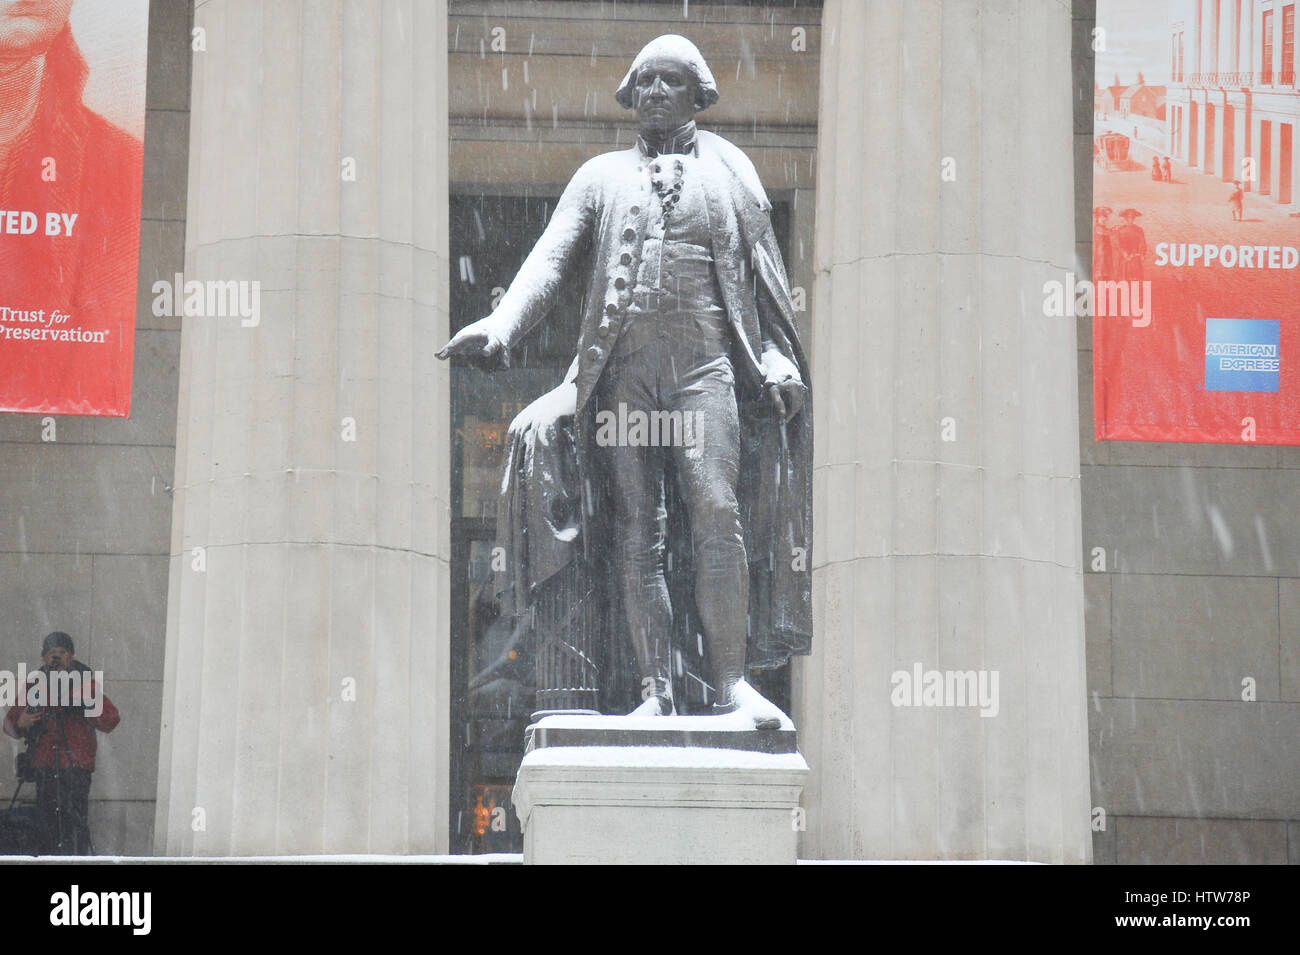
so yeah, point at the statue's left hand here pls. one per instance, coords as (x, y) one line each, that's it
(547, 412)
(787, 397)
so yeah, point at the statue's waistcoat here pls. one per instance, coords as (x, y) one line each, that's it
(617, 256)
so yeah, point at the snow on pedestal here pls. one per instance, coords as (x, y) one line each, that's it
(628, 804)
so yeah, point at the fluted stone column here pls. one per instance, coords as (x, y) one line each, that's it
(947, 457)
(306, 693)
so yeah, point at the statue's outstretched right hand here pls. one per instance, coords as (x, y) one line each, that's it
(476, 343)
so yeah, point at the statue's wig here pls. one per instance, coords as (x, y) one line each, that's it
(671, 44)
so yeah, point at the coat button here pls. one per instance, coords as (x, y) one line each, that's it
(611, 308)
(620, 283)
(635, 210)
(595, 353)
(629, 234)
(626, 258)
(606, 327)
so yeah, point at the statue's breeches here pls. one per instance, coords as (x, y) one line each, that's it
(686, 396)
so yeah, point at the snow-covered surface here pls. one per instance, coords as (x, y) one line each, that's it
(681, 757)
(752, 706)
(560, 402)
(727, 723)
(514, 858)
(915, 862)
(507, 858)
(680, 48)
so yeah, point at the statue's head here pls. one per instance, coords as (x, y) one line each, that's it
(669, 82)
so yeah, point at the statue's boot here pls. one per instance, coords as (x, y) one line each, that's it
(734, 694)
(658, 703)
(737, 696)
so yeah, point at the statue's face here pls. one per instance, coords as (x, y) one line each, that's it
(28, 27)
(666, 95)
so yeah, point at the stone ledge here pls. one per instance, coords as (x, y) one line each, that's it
(687, 732)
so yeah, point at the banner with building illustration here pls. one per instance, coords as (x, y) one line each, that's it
(71, 162)
(1195, 290)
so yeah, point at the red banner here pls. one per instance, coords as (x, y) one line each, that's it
(1195, 291)
(72, 79)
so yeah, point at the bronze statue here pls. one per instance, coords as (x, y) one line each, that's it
(688, 395)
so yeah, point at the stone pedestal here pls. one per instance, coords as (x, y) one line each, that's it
(588, 793)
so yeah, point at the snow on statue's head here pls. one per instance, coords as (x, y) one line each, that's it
(680, 48)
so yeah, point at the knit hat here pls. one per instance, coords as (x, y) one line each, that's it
(57, 639)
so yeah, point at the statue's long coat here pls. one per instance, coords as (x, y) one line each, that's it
(604, 211)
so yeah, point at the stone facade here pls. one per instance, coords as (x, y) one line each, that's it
(328, 560)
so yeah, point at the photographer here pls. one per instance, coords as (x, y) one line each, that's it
(60, 735)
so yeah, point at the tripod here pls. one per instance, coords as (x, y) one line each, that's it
(20, 829)
(62, 793)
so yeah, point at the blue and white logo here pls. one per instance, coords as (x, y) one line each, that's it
(1242, 354)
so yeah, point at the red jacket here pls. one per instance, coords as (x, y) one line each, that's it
(78, 728)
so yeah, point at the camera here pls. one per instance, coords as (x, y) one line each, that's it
(23, 767)
(52, 702)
